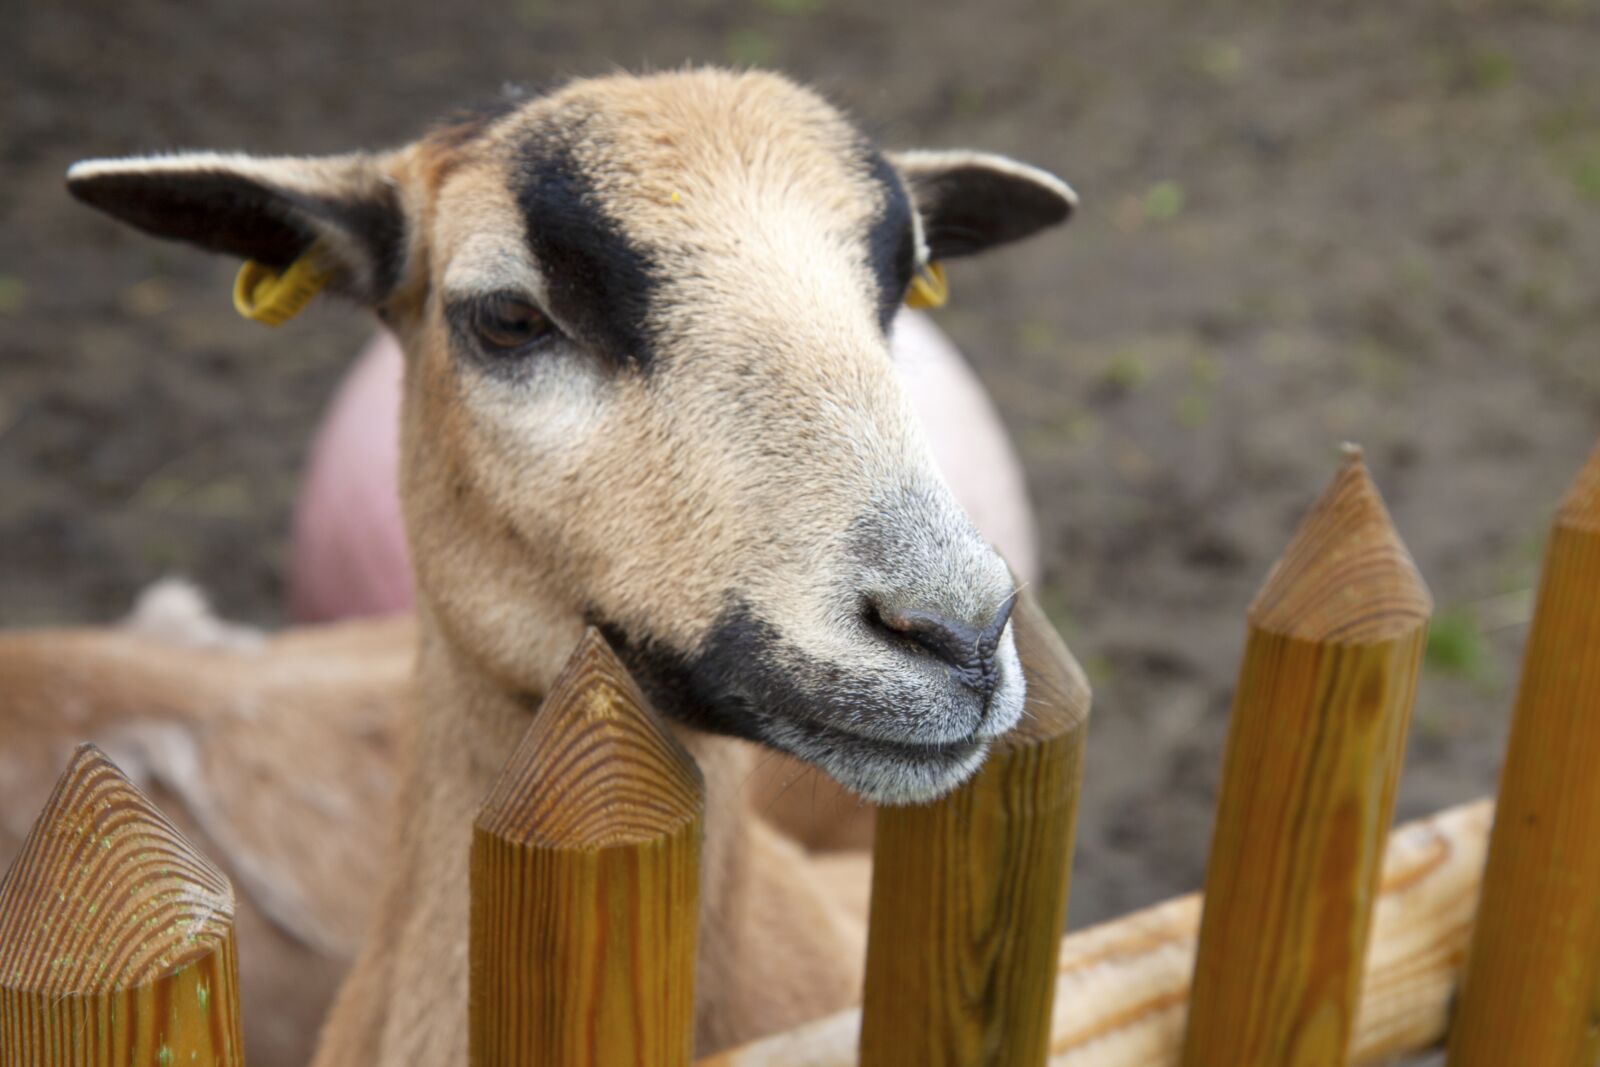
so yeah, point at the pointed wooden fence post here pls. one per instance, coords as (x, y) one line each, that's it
(585, 884)
(116, 936)
(1532, 989)
(1308, 781)
(969, 893)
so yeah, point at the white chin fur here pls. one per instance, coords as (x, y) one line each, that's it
(896, 779)
(894, 782)
(925, 737)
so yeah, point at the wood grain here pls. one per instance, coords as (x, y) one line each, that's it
(1308, 781)
(1122, 987)
(969, 893)
(585, 884)
(1532, 991)
(116, 936)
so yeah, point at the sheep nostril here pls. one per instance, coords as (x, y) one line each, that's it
(968, 649)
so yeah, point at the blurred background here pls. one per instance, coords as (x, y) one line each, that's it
(1345, 221)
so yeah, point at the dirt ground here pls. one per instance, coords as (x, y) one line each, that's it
(1353, 221)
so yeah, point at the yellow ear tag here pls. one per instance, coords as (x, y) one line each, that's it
(274, 297)
(929, 289)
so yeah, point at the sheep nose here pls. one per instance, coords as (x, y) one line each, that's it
(968, 648)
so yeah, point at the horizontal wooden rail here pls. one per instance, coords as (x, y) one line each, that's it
(1122, 987)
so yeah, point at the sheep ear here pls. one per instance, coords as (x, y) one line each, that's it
(266, 209)
(972, 201)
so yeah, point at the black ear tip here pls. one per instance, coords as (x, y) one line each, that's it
(90, 181)
(974, 201)
(1028, 197)
(1061, 211)
(75, 180)
(1063, 199)
(1071, 204)
(1038, 201)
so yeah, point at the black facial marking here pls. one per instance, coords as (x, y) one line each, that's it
(744, 678)
(741, 675)
(891, 244)
(692, 690)
(600, 284)
(865, 729)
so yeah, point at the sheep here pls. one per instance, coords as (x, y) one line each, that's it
(647, 389)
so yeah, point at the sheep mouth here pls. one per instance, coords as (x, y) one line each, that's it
(816, 734)
(879, 770)
(744, 683)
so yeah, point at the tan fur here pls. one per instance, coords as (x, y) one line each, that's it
(754, 487)
(496, 622)
(280, 762)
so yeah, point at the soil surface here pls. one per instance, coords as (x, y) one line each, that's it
(1357, 221)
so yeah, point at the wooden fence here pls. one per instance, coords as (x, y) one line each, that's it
(1323, 939)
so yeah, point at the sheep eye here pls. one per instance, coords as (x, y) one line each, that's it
(506, 323)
